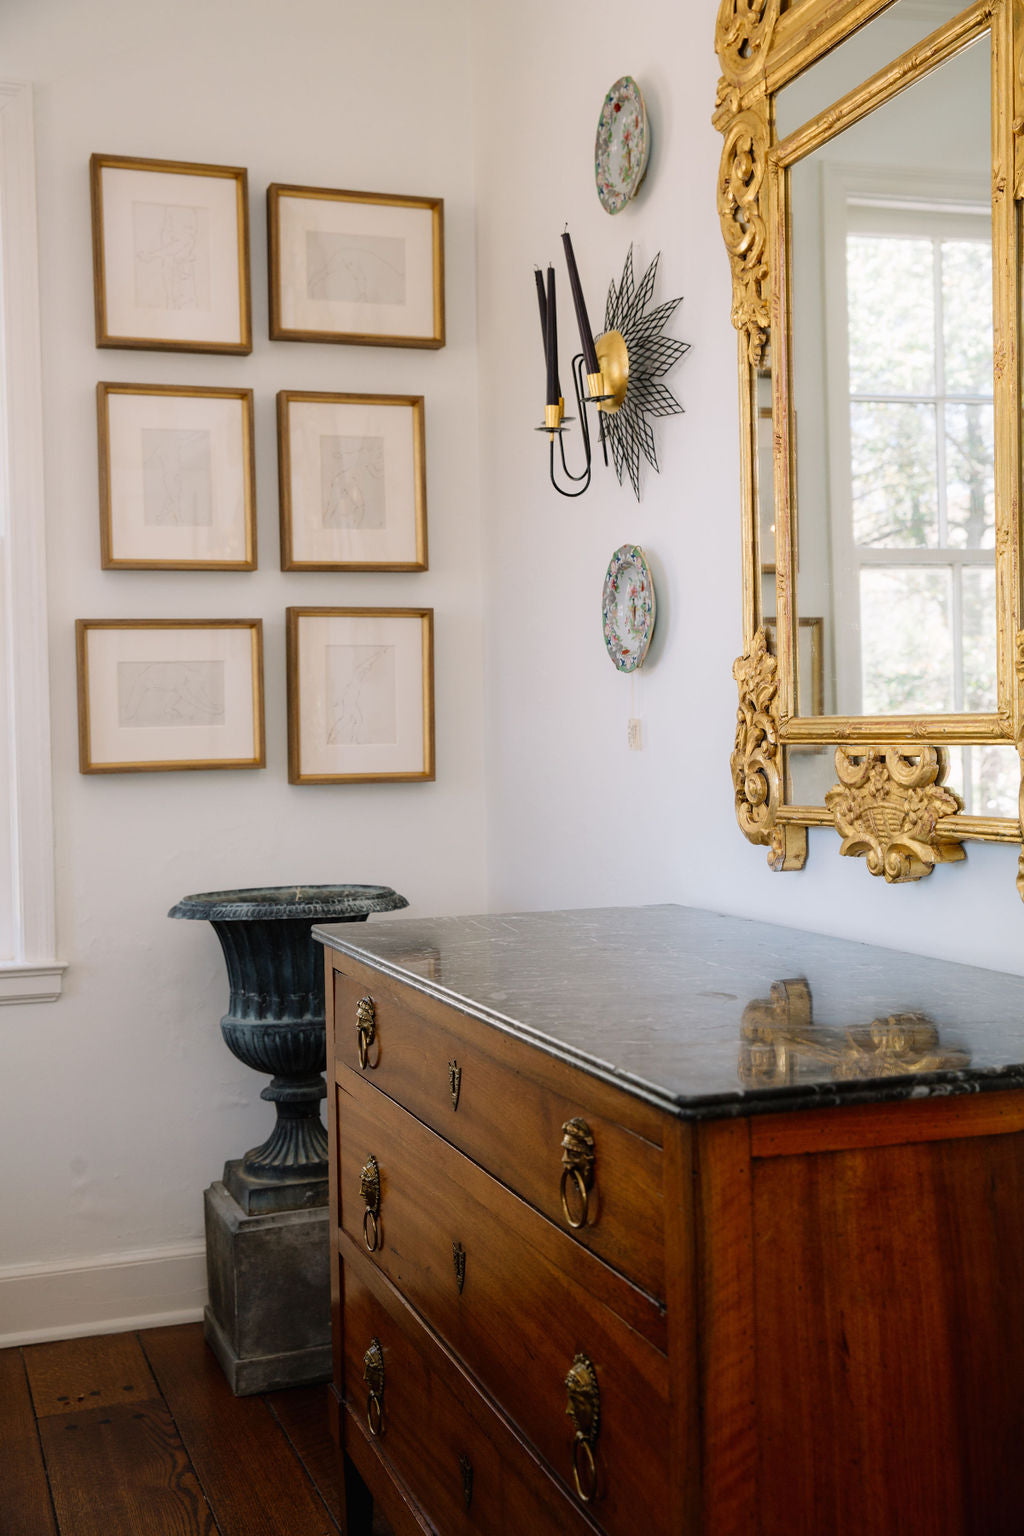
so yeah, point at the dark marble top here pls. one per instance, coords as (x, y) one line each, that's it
(710, 1015)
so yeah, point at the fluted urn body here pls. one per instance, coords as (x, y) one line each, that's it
(275, 1022)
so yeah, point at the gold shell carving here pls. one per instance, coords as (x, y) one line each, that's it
(756, 761)
(886, 806)
(740, 180)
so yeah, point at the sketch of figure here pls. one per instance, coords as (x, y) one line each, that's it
(172, 256)
(361, 701)
(352, 482)
(355, 269)
(177, 477)
(170, 693)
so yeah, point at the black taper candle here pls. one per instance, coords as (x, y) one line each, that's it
(542, 305)
(552, 346)
(586, 338)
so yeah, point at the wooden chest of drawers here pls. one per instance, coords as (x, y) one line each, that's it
(564, 1306)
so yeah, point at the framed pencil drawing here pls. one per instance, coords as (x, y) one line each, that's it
(162, 694)
(177, 478)
(352, 482)
(170, 245)
(365, 268)
(360, 694)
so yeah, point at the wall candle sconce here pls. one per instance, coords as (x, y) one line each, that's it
(623, 369)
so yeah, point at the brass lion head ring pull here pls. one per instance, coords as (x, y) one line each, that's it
(584, 1408)
(373, 1375)
(577, 1171)
(369, 1189)
(366, 1030)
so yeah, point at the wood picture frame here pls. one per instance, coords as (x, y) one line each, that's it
(360, 695)
(177, 478)
(360, 268)
(353, 484)
(170, 244)
(162, 695)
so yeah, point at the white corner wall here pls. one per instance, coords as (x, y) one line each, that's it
(121, 1102)
(575, 817)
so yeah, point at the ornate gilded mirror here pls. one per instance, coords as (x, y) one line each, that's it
(869, 190)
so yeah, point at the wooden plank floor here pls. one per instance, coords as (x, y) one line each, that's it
(138, 1434)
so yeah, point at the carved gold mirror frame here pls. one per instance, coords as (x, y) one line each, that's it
(889, 803)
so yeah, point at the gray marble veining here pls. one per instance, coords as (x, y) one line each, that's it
(678, 1004)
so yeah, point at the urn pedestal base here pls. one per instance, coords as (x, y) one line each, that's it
(269, 1316)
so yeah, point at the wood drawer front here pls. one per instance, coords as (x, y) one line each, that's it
(513, 1101)
(434, 1420)
(531, 1299)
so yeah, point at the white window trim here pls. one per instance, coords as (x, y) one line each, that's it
(35, 973)
(842, 184)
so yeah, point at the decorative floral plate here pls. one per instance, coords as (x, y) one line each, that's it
(622, 146)
(627, 606)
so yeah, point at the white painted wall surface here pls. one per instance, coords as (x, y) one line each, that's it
(121, 1102)
(575, 817)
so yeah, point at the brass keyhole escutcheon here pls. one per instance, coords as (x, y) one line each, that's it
(584, 1408)
(466, 1468)
(373, 1376)
(577, 1171)
(459, 1264)
(366, 1030)
(454, 1082)
(369, 1189)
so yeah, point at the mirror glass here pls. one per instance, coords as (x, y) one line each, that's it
(892, 386)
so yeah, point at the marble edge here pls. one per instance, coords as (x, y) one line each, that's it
(734, 1104)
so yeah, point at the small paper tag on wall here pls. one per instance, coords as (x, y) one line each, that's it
(634, 735)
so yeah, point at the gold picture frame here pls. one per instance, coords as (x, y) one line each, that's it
(177, 478)
(353, 483)
(170, 243)
(360, 695)
(163, 695)
(360, 268)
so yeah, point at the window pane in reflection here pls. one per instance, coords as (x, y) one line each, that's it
(967, 316)
(891, 299)
(893, 464)
(970, 476)
(978, 619)
(906, 640)
(987, 778)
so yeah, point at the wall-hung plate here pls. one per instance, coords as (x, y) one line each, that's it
(627, 607)
(622, 146)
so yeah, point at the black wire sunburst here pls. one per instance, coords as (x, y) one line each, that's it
(651, 355)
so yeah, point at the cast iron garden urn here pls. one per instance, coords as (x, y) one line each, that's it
(275, 1023)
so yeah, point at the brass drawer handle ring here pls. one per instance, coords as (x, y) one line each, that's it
(373, 1375)
(369, 1189)
(366, 1030)
(577, 1168)
(575, 1176)
(584, 1470)
(375, 1417)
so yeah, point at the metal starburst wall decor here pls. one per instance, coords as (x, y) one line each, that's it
(651, 354)
(623, 368)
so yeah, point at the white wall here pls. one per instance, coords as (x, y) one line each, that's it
(575, 817)
(121, 1102)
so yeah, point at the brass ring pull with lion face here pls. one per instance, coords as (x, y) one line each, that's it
(369, 1189)
(366, 1030)
(373, 1375)
(577, 1171)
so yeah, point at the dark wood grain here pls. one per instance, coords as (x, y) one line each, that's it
(75, 1374)
(726, 1328)
(682, 1494)
(513, 1103)
(25, 1508)
(234, 1443)
(890, 1349)
(881, 1125)
(433, 1417)
(123, 1471)
(302, 1415)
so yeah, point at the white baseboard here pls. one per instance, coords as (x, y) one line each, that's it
(108, 1294)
